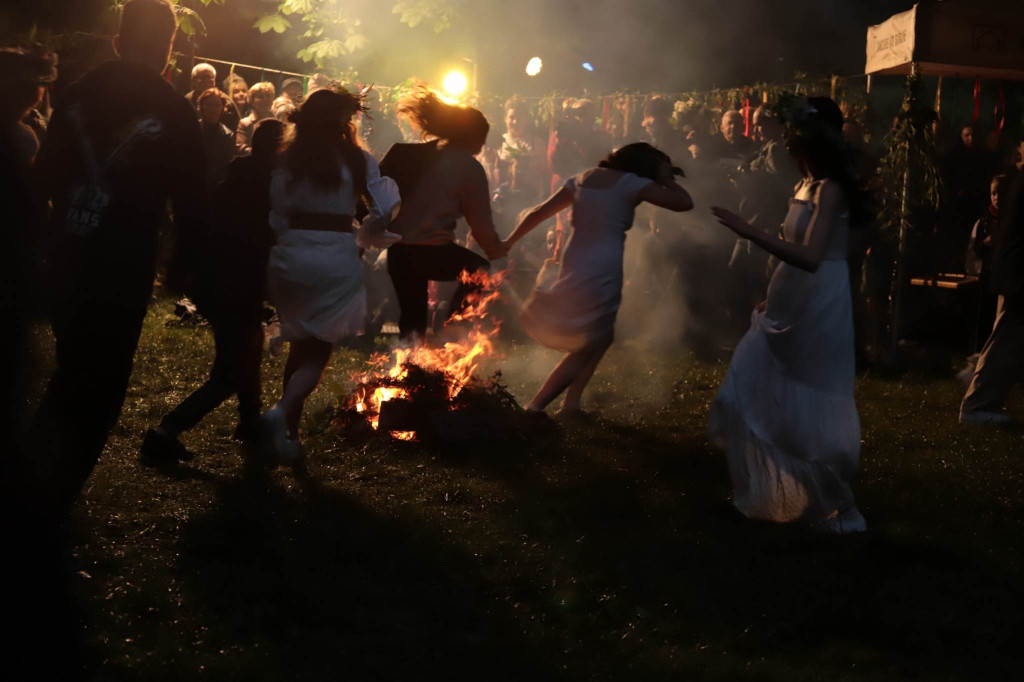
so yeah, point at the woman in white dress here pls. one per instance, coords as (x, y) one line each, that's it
(785, 414)
(314, 275)
(576, 313)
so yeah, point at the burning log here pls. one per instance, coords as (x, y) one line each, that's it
(430, 393)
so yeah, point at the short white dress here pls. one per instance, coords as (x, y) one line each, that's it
(578, 308)
(785, 414)
(314, 277)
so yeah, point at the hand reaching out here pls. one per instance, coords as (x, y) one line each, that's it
(733, 221)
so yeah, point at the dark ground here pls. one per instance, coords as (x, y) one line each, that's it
(612, 555)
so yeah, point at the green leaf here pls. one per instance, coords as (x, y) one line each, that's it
(190, 22)
(297, 7)
(272, 22)
(356, 42)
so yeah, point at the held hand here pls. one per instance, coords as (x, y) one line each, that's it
(732, 221)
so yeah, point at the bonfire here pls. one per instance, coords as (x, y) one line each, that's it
(433, 390)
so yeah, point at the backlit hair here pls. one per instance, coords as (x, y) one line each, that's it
(433, 117)
(213, 92)
(262, 88)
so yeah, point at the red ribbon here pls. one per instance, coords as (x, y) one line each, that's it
(746, 117)
(977, 99)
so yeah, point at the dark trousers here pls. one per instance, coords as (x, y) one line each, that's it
(412, 266)
(94, 353)
(236, 370)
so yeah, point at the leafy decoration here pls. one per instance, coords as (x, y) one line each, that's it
(911, 184)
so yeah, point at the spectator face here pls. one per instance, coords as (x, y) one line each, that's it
(731, 127)
(261, 103)
(515, 122)
(211, 109)
(240, 97)
(203, 80)
(993, 193)
(761, 125)
(293, 91)
(967, 136)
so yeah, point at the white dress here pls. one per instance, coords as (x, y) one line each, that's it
(785, 414)
(580, 306)
(314, 277)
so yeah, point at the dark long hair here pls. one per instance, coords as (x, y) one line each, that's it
(815, 134)
(640, 159)
(433, 117)
(323, 133)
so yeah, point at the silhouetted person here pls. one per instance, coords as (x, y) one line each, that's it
(999, 366)
(440, 181)
(121, 143)
(218, 140)
(228, 291)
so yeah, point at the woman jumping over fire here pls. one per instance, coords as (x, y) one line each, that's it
(440, 182)
(577, 312)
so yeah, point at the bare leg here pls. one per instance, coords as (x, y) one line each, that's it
(571, 403)
(574, 370)
(304, 368)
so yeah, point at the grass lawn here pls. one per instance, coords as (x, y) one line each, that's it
(610, 555)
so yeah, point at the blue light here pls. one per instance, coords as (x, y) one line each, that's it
(588, 66)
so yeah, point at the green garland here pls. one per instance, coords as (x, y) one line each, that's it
(910, 163)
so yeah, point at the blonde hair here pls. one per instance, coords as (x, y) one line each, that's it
(262, 88)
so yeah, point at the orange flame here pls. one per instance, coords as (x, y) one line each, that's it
(458, 361)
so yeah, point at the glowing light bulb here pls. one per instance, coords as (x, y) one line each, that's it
(455, 83)
(588, 66)
(534, 66)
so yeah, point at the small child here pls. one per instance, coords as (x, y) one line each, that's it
(576, 313)
(979, 259)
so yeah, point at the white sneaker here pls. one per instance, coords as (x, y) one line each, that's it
(984, 418)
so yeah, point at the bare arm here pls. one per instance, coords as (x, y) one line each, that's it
(806, 255)
(558, 201)
(670, 195)
(476, 207)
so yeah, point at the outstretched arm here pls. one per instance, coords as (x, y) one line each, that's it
(806, 255)
(558, 201)
(476, 207)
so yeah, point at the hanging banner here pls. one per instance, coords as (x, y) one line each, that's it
(891, 43)
(956, 38)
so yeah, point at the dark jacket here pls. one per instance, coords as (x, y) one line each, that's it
(121, 143)
(1008, 255)
(231, 262)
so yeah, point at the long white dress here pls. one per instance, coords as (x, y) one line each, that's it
(580, 306)
(785, 414)
(314, 277)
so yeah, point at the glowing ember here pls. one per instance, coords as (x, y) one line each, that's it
(457, 361)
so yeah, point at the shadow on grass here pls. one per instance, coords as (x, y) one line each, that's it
(611, 555)
(314, 586)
